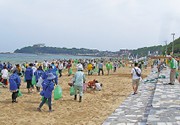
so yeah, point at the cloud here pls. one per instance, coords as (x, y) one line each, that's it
(101, 24)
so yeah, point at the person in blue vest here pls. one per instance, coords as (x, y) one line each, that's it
(54, 70)
(51, 70)
(9, 66)
(38, 73)
(48, 87)
(14, 82)
(28, 77)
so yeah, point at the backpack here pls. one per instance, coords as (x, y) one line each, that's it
(139, 75)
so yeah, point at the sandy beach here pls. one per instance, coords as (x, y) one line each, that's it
(95, 107)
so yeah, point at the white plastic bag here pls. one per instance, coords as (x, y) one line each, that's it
(39, 83)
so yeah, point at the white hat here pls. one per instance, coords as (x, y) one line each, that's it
(80, 68)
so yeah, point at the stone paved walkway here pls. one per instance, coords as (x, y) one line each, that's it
(155, 104)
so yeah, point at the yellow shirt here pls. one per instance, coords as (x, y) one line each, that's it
(90, 66)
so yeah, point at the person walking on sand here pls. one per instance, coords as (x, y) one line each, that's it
(136, 74)
(38, 73)
(79, 80)
(48, 87)
(5, 75)
(60, 68)
(100, 67)
(173, 66)
(14, 82)
(108, 67)
(28, 77)
(89, 68)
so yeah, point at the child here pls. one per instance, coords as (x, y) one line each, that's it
(48, 87)
(79, 80)
(14, 82)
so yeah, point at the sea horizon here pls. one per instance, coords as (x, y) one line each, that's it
(19, 58)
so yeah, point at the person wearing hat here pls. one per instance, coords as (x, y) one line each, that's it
(14, 82)
(28, 77)
(79, 80)
(48, 87)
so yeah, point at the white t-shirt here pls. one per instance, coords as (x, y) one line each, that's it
(60, 66)
(98, 86)
(4, 73)
(134, 73)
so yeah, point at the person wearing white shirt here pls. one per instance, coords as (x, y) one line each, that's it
(5, 75)
(60, 68)
(136, 75)
(98, 86)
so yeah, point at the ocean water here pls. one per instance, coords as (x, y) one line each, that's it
(15, 58)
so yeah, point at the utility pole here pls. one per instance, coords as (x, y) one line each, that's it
(173, 34)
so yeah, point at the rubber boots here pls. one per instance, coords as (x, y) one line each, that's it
(75, 97)
(80, 98)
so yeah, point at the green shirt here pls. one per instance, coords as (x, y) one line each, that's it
(173, 64)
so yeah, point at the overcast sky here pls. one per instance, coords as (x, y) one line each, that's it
(96, 24)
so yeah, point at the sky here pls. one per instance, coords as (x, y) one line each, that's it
(95, 24)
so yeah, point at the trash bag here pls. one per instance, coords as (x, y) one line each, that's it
(57, 72)
(24, 79)
(72, 91)
(19, 93)
(177, 74)
(57, 92)
(33, 80)
(84, 87)
(70, 71)
(96, 70)
(39, 83)
(162, 77)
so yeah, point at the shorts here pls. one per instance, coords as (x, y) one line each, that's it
(135, 82)
(29, 84)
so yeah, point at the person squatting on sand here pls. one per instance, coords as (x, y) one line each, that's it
(14, 82)
(78, 81)
(136, 74)
(95, 85)
(48, 87)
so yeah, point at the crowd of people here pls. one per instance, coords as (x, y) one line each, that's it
(45, 75)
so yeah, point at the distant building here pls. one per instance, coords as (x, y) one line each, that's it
(39, 45)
